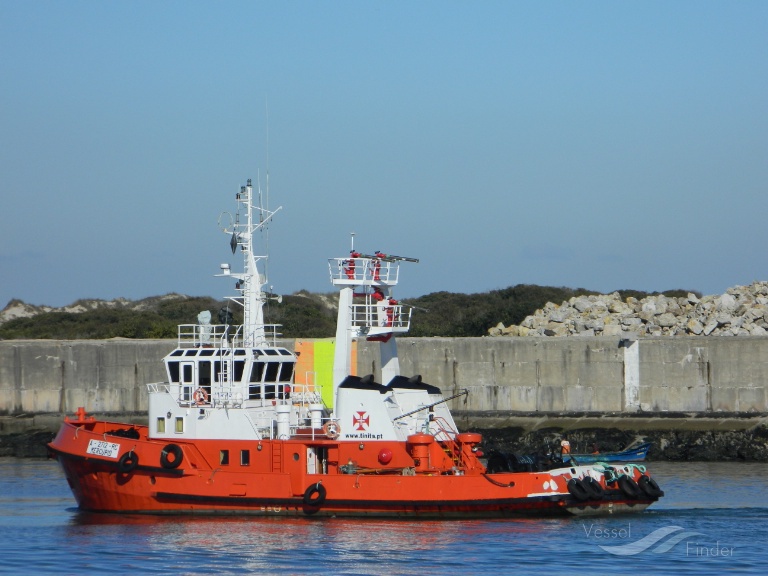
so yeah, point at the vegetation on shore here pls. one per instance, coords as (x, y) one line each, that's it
(302, 315)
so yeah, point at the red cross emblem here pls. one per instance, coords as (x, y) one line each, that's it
(361, 420)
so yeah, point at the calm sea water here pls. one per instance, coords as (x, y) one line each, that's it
(713, 519)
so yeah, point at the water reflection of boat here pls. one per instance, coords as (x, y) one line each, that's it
(232, 432)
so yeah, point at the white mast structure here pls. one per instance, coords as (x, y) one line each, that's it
(368, 310)
(249, 282)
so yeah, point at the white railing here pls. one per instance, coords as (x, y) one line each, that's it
(359, 271)
(381, 318)
(220, 335)
(159, 388)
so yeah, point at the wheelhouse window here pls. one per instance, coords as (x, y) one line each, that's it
(286, 371)
(254, 388)
(204, 375)
(187, 380)
(224, 457)
(239, 369)
(273, 369)
(173, 372)
(263, 377)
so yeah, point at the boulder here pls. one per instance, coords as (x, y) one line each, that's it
(740, 311)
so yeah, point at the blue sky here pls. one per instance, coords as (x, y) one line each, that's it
(602, 145)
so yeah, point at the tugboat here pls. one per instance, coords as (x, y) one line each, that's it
(230, 431)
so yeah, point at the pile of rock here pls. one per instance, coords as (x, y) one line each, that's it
(741, 311)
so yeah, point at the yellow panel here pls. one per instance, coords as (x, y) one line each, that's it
(314, 367)
(324, 350)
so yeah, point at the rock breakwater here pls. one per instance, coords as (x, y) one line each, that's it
(740, 311)
(667, 445)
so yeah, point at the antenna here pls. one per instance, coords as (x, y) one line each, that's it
(352, 247)
(266, 106)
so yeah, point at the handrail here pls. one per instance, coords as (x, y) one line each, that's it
(463, 392)
(209, 335)
(360, 271)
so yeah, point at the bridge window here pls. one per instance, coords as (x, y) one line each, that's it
(257, 373)
(272, 371)
(224, 457)
(286, 372)
(239, 369)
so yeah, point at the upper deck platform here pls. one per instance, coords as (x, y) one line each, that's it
(364, 271)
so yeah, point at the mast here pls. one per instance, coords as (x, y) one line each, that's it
(249, 282)
(367, 309)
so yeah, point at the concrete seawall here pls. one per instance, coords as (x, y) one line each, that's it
(702, 376)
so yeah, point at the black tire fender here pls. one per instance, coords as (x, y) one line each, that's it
(596, 491)
(309, 495)
(649, 486)
(128, 462)
(629, 487)
(176, 456)
(577, 489)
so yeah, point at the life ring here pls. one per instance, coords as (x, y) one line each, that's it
(332, 429)
(176, 456)
(577, 489)
(309, 495)
(629, 487)
(649, 486)
(128, 462)
(200, 396)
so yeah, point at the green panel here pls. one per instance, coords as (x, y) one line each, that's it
(324, 350)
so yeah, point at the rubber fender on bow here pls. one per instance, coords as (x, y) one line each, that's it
(309, 495)
(577, 489)
(128, 462)
(649, 486)
(629, 487)
(594, 488)
(176, 456)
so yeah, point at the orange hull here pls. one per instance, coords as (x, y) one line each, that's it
(142, 475)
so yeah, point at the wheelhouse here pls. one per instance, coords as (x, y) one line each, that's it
(250, 375)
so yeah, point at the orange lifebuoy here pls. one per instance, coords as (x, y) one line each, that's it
(200, 396)
(332, 429)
